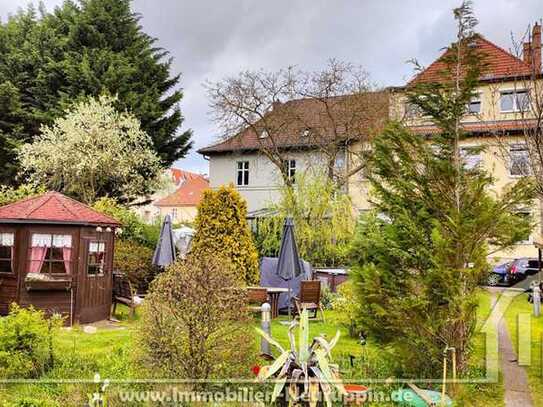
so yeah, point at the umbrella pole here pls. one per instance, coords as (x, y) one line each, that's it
(289, 299)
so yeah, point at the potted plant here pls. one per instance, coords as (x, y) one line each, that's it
(46, 282)
(305, 371)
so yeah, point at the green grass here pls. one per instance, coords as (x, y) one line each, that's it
(521, 305)
(481, 394)
(109, 352)
(78, 356)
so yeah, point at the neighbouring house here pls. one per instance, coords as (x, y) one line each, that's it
(182, 205)
(173, 178)
(239, 160)
(496, 119)
(56, 254)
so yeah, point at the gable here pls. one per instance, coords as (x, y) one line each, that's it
(497, 64)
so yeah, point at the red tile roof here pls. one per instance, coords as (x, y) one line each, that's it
(497, 64)
(179, 176)
(295, 116)
(189, 194)
(53, 207)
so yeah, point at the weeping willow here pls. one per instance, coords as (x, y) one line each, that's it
(324, 220)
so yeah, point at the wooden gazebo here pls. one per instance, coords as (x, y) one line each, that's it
(56, 254)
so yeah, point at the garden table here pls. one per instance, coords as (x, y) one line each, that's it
(273, 295)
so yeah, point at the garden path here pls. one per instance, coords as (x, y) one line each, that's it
(515, 379)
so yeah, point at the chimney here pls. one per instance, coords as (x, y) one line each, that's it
(527, 53)
(536, 47)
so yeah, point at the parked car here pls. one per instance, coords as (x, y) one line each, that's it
(513, 271)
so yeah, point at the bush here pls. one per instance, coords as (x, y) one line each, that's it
(195, 323)
(134, 229)
(222, 232)
(347, 307)
(26, 342)
(134, 260)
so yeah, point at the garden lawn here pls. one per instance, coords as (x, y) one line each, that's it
(78, 356)
(109, 353)
(535, 369)
(370, 362)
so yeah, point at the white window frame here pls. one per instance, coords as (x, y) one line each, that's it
(243, 168)
(412, 111)
(517, 148)
(7, 239)
(466, 149)
(513, 92)
(173, 213)
(290, 168)
(479, 98)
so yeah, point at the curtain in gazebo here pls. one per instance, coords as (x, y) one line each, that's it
(41, 242)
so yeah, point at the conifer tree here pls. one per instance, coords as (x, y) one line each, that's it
(222, 232)
(50, 61)
(420, 256)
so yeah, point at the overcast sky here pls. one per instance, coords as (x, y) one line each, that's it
(209, 39)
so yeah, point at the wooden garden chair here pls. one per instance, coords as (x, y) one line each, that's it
(256, 297)
(123, 293)
(309, 298)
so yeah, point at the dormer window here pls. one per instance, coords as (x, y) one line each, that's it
(264, 134)
(6, 252)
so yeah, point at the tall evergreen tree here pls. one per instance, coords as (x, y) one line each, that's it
(88, 48)
(418, 263)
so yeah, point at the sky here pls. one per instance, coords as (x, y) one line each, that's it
(211, 39)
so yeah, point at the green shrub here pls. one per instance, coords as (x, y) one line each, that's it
(195, 323)
(222, 232)
(26, 342)
(133, 228)
(347, 307)
(134, 260)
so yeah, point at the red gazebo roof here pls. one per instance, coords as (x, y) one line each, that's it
(53, 207)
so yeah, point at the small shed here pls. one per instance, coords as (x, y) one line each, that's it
(56, 254)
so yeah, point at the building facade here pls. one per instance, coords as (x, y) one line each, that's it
(494, 123)
(182, 205)
(172, 180)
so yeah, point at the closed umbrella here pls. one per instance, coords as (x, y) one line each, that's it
(165, 249)
(288, 264)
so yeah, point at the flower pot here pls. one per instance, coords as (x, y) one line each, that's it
(48, 285)
(357, 394)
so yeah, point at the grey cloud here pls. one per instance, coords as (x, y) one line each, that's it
(209, 39)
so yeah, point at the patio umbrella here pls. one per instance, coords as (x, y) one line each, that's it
(288, 264)
(165, 249)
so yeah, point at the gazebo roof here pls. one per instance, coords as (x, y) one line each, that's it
(53, 208)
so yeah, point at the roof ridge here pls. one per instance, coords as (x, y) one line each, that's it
(84, 205)
(60, 201)
(38, 203)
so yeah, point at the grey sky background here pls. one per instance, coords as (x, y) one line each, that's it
(209, 39)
